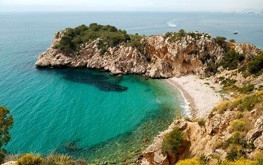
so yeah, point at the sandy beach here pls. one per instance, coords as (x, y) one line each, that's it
(202, 94)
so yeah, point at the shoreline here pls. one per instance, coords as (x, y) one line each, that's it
(190, 108)
(201, 94)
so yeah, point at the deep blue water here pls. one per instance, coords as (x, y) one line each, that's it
(92, 109)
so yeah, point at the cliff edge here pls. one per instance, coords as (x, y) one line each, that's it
(160, 56)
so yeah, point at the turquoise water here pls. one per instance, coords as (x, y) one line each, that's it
(101, 116)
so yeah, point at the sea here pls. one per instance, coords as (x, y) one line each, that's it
(91, 114)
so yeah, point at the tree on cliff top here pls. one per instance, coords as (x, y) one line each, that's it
(6, 122)
(109, 36)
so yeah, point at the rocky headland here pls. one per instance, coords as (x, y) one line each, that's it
(233, 71)
(160, 56)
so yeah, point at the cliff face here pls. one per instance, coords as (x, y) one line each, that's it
(215, 138)
(158, 57)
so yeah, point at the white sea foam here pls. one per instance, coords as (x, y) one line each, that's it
(171, 24)
(184, 103)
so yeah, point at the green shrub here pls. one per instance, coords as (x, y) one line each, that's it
(228, 82)
(220, 40)
(249, 102)
(176, 36)
(247, 89)
(239, 162)
(232, 40)
(256, 65)
(192, 161)
(135, 41)
(259, 158)
(201, 122)
(29, 159)
(237, 125)
(110, 36)
(231, 59)
(236, 138)
(57, 159)
(237, 146)
(173, 142)
(6, 122)
(211, 67)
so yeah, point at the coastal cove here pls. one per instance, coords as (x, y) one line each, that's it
(91, 114)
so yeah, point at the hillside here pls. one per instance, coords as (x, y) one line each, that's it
(233, 130)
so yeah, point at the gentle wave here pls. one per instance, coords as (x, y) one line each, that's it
(171, 24)
(184, 103)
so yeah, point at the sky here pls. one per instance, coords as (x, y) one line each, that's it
(130, 5)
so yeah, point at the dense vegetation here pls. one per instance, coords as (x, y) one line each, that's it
(255, 66)
(6, 122)
(231, 59)
(109, 36)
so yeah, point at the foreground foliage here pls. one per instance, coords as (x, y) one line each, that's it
(236, 145)
(52, 159)
(174, 144)
(29, 159)
(6, 122)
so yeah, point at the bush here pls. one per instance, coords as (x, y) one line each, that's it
(110, 36)
(236, 138)
(231, 59)
(236, 146)
(249, 102)
(52, 159)
(240, 162)
(57, 159)
(220, 40)
(256, 65)
(237, 125)
(135, 41)
(247, 89)
(201, 122)
(259, 158)
(6, 122)
(228, 82)
(192, 161)
(29, 159)
(232, 40)
(176, 36)
(211, 68)
(173, 142)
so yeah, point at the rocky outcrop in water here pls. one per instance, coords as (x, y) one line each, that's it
(158, 57)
